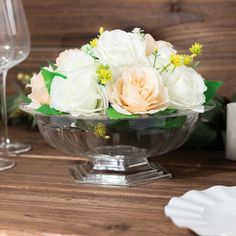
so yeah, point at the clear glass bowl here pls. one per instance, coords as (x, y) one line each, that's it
(118, 150)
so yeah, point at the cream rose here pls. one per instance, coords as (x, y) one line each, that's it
(39, 94)
(120, 49)
(186, 89)
(152, 45)
(78, 93)
(73, 59)
(138, 90)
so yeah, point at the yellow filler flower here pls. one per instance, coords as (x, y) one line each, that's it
(101, 131)
(94, 42)
(187, 59)
(104, 74)
(196, 49)
(101, 30)
(176, 60)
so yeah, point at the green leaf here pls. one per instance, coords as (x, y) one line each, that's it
(165, 112)
(25, 99)
(204, 137)
(233, 98)
(47, 110)
(208, 133)
(12, 103)
(212, 86)
(168, 123)
(114, 115)
(175, 122)
(54, 67)
(216, 113)
(48, 78)
(60, 75)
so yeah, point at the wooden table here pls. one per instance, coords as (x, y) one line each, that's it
(38, 197)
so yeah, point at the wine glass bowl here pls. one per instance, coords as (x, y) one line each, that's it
(20, 32)
(14, 48)
(6, 39)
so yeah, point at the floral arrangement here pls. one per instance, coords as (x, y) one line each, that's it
(121, 74)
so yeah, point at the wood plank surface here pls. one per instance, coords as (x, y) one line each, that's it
(38, 197)
(59, 24)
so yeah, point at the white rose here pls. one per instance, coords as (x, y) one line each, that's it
(186, 89)
(165, 50)
(120, 49)
(79, 93)
(72, 59)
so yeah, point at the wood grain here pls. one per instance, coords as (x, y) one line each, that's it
(38, 197)
(59, 24)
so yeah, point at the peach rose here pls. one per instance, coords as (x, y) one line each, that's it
(138, 90)
(39, 93)
(152, 45)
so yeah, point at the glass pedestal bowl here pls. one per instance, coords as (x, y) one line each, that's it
(117, 150)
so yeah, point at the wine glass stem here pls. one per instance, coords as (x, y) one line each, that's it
(4, 139)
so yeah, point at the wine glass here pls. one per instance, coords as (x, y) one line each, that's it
(14, 48)
(6, 55)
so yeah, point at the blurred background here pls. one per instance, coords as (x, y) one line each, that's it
(59, 24)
